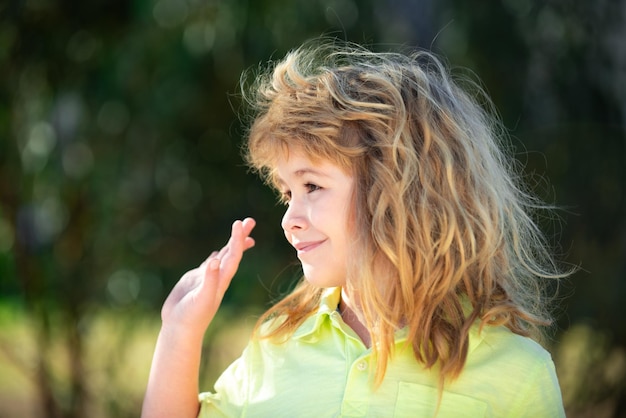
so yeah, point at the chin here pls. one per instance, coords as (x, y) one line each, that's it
(318, 279)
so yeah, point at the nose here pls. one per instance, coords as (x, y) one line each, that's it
(294, 218)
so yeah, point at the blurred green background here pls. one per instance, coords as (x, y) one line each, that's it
(120, 127)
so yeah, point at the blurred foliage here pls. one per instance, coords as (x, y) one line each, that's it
(120, 127)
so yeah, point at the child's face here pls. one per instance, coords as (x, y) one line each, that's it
(317, 221)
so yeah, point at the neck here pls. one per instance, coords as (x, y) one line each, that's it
(351, 314)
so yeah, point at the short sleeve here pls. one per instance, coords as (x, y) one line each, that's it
(541, 396)
(229, 397)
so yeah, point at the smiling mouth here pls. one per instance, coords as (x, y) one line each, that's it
(305, 247)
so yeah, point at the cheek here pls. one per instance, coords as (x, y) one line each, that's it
(350, 220)
(352, 199)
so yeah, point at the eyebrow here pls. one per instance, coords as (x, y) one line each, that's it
(299, 173)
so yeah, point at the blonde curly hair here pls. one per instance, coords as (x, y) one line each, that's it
(444, 221)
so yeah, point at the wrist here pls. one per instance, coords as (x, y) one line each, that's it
(180, 333)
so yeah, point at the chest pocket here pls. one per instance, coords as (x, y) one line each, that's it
(418, 401)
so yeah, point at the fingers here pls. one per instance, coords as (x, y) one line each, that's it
(248, 224)
(214, 264)
(240, 239)
(209, 258)
(206, 285)
(231, 254)
(228, 258)
(234, 242)
(248, 243)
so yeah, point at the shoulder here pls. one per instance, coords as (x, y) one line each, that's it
(512, 373)
(499, 344)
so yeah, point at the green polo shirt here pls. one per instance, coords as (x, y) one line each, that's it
(323, 371)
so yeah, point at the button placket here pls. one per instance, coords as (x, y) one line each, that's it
(357, 393)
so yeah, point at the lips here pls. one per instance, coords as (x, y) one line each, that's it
(308, 246)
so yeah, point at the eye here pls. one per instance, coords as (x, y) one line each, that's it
(311, 187)
(284, 196)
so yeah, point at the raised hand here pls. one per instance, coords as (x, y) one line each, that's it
(187, 312)
(194, 300)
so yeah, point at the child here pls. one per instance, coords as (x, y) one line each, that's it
(421, 262)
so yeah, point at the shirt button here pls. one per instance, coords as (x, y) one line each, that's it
(362, 365)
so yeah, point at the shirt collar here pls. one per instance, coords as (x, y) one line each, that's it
(328, 305)
(330, 300)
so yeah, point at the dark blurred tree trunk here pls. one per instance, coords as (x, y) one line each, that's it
(79, 393)
(45, 382)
